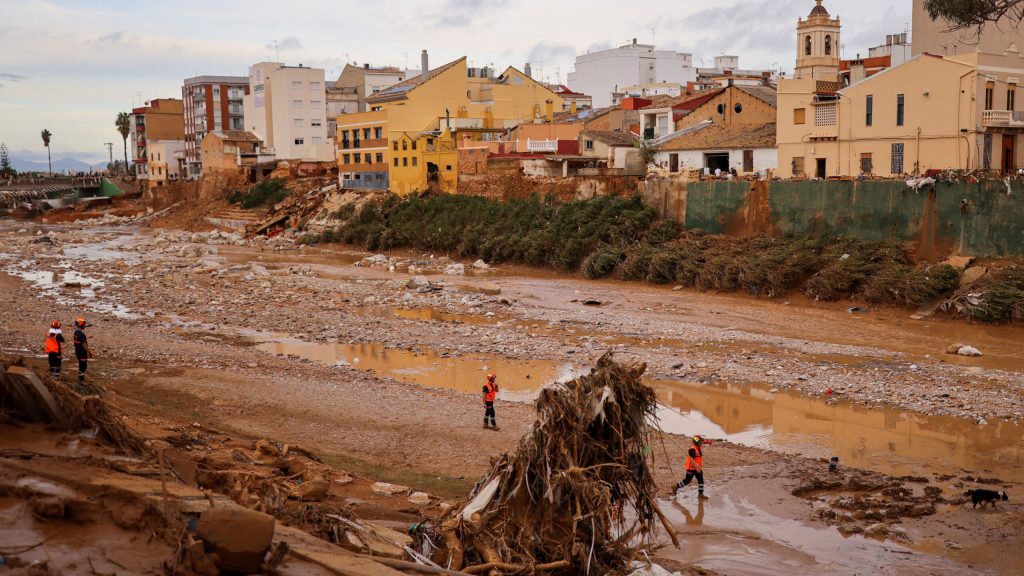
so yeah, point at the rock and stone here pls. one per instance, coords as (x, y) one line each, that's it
(385, 489)
(419, 282)
(971, 276)
(238, 536)
(481, 265)
(455, 270)
(52, 507)
(419, 498)
(968, 351)
(313, 490)
(490, 289)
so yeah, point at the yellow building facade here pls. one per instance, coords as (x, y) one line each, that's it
(427, 112)
(929, 113)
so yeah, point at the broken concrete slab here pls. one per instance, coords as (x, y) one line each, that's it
(35, 386)
(238, 536)
(23, 400)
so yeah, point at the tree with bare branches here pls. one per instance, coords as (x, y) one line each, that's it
(974, 14)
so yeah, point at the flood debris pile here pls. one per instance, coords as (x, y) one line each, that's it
(995, 295)
(70, 407)
(577, 496)
(856, 501)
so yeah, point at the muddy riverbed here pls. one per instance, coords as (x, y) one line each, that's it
(303, 345)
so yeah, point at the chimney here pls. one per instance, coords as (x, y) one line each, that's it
(549, 112)
(425, 66)
(528, 70)
(634, 41)
(573, 108)
(857, 72)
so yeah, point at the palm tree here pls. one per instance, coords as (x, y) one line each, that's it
(124, 127)
(46, 142)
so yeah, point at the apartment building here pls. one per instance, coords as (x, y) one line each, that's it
(165, 162)
(286, 108)
(930, 113)
(348, 93)
(405, 142)
(605, 73)
(159, 119)
(211, 103)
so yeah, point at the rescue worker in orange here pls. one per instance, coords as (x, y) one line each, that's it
(490, 392)
(82, 350)
(694, 466)
(54, 348)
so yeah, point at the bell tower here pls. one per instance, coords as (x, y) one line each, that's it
(817, 46)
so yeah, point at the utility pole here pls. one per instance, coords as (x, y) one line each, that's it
(110, 151)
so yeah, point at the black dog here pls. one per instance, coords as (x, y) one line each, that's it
(980, 495)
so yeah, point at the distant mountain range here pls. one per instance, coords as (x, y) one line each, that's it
(25, 161)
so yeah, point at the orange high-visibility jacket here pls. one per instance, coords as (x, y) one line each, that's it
(52, 344)
(492, 391)
(695, 464)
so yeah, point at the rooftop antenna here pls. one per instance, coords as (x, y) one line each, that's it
(406, 54)
(652, 35)
(277, 54)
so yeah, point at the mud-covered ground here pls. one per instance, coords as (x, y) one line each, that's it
(383, 373)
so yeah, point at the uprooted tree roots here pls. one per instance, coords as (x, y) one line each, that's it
(577, 497)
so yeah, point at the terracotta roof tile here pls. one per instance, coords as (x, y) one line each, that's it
(236, 135)
(725, 137)
(686, 101)
(611, 137)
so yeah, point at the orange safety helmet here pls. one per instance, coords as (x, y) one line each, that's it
(491, 377)
(55, 324)
(80, 322)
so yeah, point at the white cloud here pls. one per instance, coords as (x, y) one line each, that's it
(90, 58)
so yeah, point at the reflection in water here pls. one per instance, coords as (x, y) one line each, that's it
(888, 440)
(428, 368)
(692, 520)
(740, 537)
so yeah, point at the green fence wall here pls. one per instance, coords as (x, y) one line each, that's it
(979, 219)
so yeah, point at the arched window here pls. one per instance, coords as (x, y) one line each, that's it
(807, 45)
(828, 45)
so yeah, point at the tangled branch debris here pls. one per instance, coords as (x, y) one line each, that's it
(577, 497)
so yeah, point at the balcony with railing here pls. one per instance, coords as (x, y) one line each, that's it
(542, 146)
(1002, 119)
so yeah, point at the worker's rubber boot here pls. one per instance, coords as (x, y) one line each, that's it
(701, 496)
(486, 425)
(494, 425)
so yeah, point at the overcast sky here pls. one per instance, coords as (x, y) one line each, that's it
(71, 65)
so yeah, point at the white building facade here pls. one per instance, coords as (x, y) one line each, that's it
(605, 73)
(287, 108)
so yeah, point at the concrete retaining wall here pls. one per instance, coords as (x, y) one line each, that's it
(972, 219)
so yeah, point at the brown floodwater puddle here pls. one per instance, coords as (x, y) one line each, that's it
(736, 534)
(890, 441)
(429, 367)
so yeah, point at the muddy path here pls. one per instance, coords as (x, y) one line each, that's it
(304, 347)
